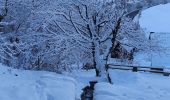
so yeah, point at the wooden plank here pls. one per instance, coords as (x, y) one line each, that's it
(159, 69)
(120, 68)
(134, 66)
(143, 69)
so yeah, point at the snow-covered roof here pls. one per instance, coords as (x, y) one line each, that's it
(156, 19)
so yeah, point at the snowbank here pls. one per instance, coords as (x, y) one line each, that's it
(133, 86)
(33, 85)
(156, 19)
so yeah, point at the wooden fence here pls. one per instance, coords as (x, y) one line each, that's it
(158, 70)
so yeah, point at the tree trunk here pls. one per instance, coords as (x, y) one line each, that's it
(99, 60)
(94, 59)
(113, 40)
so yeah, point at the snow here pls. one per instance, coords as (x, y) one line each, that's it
(83, 77)
(41, 85)
(164, 54)
(156, 19)
(33, 85)
(134, 86)
(143, 59)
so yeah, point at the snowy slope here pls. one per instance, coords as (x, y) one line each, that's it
(133, 86)
(156, 19)
(162, 58)
(33, 85)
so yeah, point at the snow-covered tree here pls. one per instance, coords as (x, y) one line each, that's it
(57, 34)
(94, 26)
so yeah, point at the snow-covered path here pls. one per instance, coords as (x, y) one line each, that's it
(33, 85)
(41, 85)
(83, 78)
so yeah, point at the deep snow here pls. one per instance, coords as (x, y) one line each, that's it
(133, 86)
(40, 85)
(34, 85)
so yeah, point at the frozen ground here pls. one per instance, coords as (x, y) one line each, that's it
(133, 86)
(33, 85)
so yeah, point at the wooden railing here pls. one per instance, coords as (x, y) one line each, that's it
(158, 70)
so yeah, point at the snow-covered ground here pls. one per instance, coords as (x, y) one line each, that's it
(34, 85)
(133, 86)
(83, 77)
(156, 19)
(40, 85)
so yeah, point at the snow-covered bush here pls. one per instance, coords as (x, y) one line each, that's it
(55, 35)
